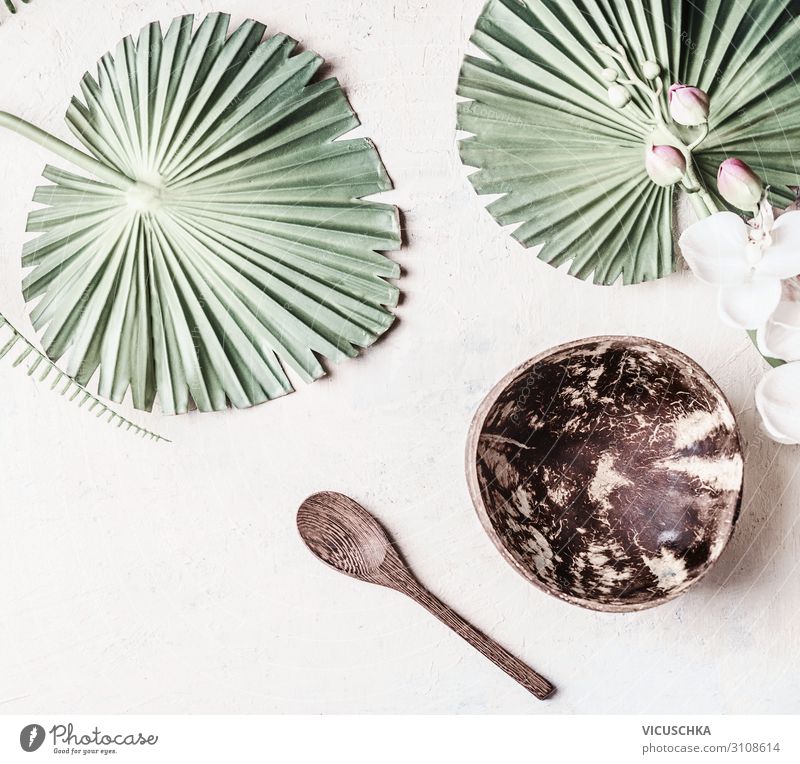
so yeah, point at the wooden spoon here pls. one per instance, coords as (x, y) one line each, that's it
(345, 536)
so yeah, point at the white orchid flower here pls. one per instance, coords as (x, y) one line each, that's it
(778, 402)
(780, 336)
(747, 262)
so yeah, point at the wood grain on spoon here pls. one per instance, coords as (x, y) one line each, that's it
(345, 536)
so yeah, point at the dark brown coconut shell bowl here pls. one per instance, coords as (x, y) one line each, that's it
(607, 471)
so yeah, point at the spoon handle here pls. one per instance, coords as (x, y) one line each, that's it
(514, 667)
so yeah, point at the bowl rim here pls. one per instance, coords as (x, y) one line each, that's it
(726, 528)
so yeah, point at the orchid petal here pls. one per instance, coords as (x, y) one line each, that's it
(749, 305)
(715, 248)
(778, 402)
(782, 258)
(780, 336)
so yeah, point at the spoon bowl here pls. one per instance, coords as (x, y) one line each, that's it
(607, 471)
(344, 535)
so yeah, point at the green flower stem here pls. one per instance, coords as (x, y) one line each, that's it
(65, 151)
(698, 205)
(698, 188)
(653, 95)
(634, 80)
(703, 135)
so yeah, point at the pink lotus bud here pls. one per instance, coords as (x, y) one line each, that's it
(739, 185)
(688, 105)
(665, 165)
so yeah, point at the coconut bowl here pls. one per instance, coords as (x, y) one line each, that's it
(607, 471)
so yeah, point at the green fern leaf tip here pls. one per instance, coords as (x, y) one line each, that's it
(13, 340)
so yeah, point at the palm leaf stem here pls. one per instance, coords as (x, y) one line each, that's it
(13, 8)
(65, 151)
(70, 385)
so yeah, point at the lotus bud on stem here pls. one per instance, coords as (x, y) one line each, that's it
(673, 162)
(739, 185)
(688, 105)
(666, 165)
(691, 106)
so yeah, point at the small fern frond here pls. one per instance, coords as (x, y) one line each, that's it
(12, 340)
(13, 8)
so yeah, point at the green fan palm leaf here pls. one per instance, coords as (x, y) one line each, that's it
(570, 166)
(220, 235)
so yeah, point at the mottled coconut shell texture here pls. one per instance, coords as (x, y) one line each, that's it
(608, 471)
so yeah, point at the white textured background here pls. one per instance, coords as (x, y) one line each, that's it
(145, 578)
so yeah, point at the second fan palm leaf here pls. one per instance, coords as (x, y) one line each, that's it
(569, 163)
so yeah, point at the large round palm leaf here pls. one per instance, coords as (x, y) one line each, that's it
(219, 235)
(569, 167)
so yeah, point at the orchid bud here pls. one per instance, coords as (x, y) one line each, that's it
(665, 165)
(618, 96)
(739, 185)
(688, 105)
(650, 69)
(610, 75)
